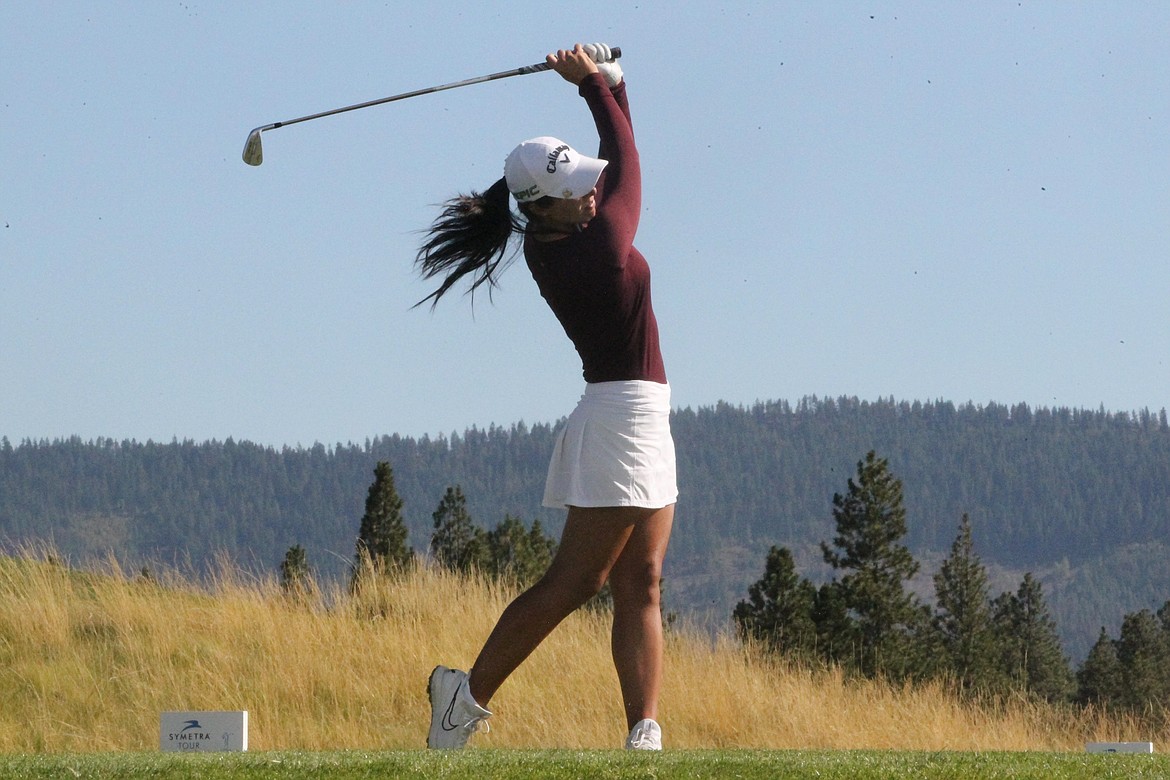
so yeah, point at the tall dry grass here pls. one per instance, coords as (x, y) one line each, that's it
(89, 660)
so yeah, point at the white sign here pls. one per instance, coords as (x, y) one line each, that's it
(1119, 747)
(203, 731)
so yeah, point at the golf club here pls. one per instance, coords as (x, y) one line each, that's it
(254, 152)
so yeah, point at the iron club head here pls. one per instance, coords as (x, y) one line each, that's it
(253, 151)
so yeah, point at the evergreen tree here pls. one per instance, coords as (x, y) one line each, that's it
(1031, 656)
(518, 554)
(295, 575)
(778, 610)
(381, 543)
(837, 637)
(542, 548)
(890, 626)
(457, 544)
(1099, 678)
(963, 614)
(1143, 653)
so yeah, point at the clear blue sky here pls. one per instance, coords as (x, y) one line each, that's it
(924, 200)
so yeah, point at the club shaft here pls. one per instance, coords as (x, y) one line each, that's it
(414, 93)
(521, 71)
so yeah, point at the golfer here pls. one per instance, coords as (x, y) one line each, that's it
(613, 465)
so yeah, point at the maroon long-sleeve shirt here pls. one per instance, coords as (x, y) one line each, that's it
(595, 281)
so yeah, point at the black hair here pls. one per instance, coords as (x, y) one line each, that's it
(471, 235)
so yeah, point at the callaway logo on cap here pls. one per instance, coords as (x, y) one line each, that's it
(548, 166)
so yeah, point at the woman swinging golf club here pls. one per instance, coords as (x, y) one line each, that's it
(613, 465)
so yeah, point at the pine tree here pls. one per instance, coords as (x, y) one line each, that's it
(837, 637)
(456, 543)
(1099, 678)
(1143, 653)
(1031, 655)
(295, 575)
(381, 544)
(778, 610)
(542, 548)
(963, 615)
(518, 554)
(890, 626)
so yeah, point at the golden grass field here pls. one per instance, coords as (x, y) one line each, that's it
(88, 660)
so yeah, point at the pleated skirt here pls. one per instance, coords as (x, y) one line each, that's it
(615, 449)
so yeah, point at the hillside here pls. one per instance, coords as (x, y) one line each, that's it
(1080, 498)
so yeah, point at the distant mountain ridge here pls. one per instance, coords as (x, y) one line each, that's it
(1079, 497)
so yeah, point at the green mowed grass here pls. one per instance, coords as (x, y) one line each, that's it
(541, 764)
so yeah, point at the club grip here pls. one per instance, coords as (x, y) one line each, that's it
(540, 67)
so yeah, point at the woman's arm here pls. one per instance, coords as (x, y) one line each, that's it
(620, 193)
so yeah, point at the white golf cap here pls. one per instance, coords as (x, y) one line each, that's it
(549, 166)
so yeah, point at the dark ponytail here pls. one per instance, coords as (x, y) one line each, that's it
(470, 236)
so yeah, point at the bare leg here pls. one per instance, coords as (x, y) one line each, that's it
(637, 615)
(590, 545)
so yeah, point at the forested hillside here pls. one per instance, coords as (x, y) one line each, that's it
(1081, 498)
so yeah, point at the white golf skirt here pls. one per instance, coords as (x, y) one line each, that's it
(615, 449)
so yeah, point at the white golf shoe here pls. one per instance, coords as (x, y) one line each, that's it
(646, 735)
(455, 715)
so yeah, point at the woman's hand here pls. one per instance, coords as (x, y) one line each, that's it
(573, 65)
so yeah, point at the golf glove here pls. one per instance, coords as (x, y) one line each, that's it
(601, 54)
